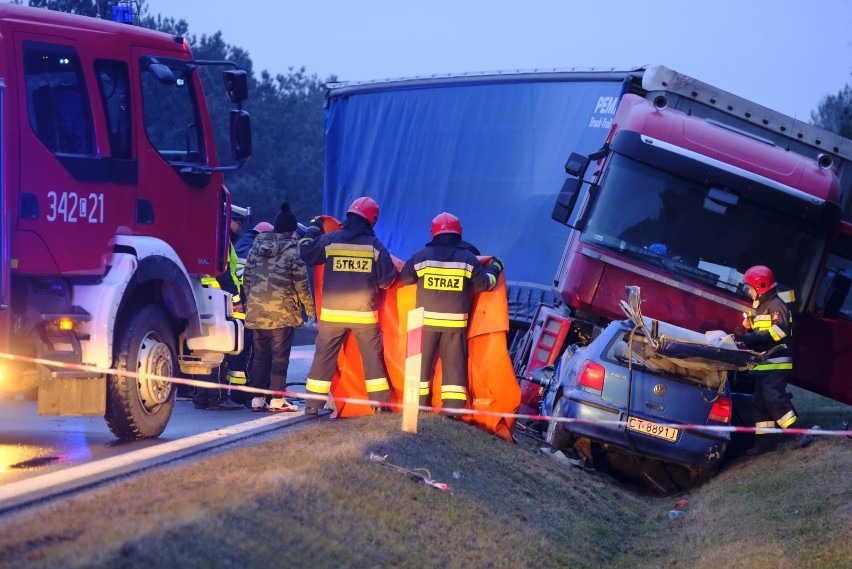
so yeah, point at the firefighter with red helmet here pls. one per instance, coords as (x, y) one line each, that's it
(447, 274)
(357, 265)
(768, 326)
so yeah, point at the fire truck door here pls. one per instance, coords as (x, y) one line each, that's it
(187, 202)
(77, 186)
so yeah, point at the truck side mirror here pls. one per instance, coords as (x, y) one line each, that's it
(240, 135)
(838, 291)
(236, 85)
(576, 165)
(566, 200)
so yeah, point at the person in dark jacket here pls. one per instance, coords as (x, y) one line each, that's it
(357, 265)
(276, 286)
(768, 326)
(447, 274)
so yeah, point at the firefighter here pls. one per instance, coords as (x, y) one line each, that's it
(356, 265)
(447, 274)
(769, 325)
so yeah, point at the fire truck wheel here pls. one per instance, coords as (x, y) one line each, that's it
(139, 407)
(557, 437)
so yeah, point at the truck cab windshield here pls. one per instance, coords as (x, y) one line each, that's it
(680, 227)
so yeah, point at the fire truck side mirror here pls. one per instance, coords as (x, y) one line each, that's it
(240, 135)
(236, 85)
(566, 200)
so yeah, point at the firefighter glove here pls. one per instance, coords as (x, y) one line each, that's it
(739, 332)
(496, 265)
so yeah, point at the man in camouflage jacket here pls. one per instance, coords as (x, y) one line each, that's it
(277, 289)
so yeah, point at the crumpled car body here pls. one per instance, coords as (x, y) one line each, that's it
(634, 395)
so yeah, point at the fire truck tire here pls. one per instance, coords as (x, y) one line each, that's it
(140, 408)
(556, 436)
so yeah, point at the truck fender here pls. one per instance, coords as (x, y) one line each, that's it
(135, 261)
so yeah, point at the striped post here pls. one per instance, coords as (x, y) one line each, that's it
(413, 361)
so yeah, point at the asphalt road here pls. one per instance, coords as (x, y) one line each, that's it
(38, 454)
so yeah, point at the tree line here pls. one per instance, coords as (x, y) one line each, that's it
(287, 116)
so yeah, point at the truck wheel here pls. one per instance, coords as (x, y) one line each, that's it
(557, 437)
(140, 408)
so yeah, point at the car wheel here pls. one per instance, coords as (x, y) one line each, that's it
(139, 408)
(670, 477)
(556, 436)
(660, 476)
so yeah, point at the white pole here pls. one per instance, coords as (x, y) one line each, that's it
(413, 361)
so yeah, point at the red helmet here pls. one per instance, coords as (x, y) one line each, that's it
(761, 278)
(446, 223)
(366, 208)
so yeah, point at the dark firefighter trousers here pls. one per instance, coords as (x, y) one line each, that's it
(452, 349)
(330, 337)
(771, 402)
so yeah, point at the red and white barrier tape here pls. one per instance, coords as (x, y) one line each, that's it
(398, 406)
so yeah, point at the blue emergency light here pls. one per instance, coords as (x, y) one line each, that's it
(122, 12)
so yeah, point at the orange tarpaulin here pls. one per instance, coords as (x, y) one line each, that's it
(491, 377)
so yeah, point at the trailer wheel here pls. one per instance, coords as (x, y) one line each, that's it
(557, 437)
(140, 408)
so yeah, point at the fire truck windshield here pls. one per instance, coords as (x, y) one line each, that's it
(692, 231)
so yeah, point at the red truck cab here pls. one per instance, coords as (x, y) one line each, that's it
(681, 207)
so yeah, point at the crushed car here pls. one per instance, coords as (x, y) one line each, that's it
(632, 398)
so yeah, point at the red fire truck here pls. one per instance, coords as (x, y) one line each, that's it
(693, 186)
(114, 208)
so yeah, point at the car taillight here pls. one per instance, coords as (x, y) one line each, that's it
(721, 411)
(592, 376)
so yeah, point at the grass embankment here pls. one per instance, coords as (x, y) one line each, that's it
(313, 498)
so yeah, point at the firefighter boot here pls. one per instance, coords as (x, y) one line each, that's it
(763, 443)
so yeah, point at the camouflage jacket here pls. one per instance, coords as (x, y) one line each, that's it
(276, 284)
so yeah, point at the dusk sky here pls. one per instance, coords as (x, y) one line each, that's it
(784, 54)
